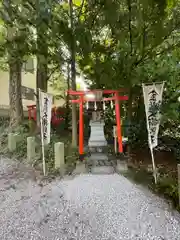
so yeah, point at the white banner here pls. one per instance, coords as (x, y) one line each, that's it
(45, 105)
(153, 100)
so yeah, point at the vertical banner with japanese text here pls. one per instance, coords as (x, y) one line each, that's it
(152, 100)
(45, 105)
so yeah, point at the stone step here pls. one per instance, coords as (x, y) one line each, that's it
(101, 163)
(102, 170)
(98, 156)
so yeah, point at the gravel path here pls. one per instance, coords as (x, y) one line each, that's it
(89, 207)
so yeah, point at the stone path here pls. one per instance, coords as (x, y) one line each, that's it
(88, 207)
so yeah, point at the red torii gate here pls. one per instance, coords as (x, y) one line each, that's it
(82, 98)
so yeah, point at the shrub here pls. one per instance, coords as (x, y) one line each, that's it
(168, 186)
(137, 135)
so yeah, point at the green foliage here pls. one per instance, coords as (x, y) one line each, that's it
(111, 49)
(125, 40)
(140, 176)
(135, 44)
(110, 121)
(22, 134)
(137, 136)
(138, 43)
(168, 186)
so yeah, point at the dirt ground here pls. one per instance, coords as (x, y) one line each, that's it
(163, 159)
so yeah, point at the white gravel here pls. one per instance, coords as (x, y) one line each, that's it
(89, 207)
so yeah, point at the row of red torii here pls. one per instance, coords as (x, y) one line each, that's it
(82, 98)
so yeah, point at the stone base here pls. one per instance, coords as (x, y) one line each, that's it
(121, 167)
(94, 143)
(98, 149)
(98, 161)
(102, 170)
(80, 168)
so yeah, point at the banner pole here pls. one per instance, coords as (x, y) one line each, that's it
(154, 166)
(42, 135)
(115, 138)
(115, 145)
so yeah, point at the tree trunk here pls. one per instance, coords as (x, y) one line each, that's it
(42, 69)
(42, 73)
(67, 117)
(73, 77)
(129, 115)
(15, 97)
(43, 17)
(15, 67)
(74, 112)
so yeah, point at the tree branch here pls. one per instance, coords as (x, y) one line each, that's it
(81, 8)
(148, 54)
(129, 25)
(52, 72)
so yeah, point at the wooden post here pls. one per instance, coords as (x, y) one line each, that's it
(118, 122)
(81, 127)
